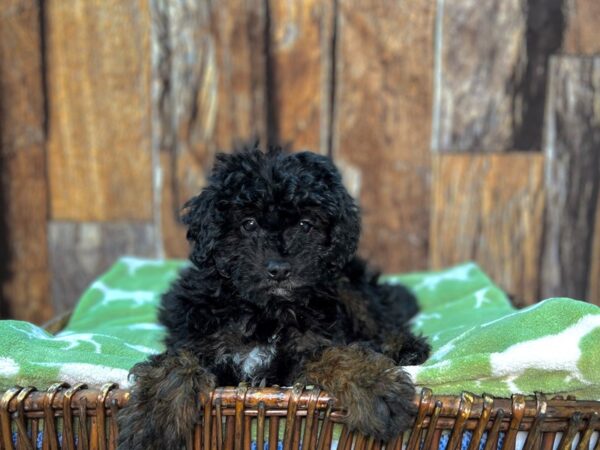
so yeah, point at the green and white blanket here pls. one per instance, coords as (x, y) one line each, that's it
(480, 342)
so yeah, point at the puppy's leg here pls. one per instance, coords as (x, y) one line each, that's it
(404, 347)
(164, 403)
(398, 303)
(377, 394)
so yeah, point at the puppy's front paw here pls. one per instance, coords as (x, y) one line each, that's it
(382, 409)
(163, 407)
(377, 395)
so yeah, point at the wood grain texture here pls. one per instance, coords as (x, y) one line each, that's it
(543, 38)
(489, 208)
(301, 39)
(173, 233)
(571, 147)
(480, 56)
(209, 94)
(24, 276)
(80, 252)
(382, 124)
(98, 56)
(593, 295)
(581, 35)
(25, 287)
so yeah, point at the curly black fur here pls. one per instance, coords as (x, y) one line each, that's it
(275, 294)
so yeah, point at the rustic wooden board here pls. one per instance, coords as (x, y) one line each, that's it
(173, 233)
(479, 54)
(23, 193)
(543, 38)
(583, 20)
(594, 278)
(571, 147)
(301, 39)
(98, 59)
(25, 287)
(581, 37)
(382, 124)
(80, 252)
(209, 94)
(489, 208)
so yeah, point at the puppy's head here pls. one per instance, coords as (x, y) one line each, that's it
(275, 224)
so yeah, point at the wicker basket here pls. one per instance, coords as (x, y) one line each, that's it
(76, 417)
(70, 417)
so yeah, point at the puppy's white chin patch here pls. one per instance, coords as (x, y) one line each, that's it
(280, 292)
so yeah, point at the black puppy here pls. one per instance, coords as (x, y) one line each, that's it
(276, 295)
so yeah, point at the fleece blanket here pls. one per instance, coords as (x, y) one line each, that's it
(480, 342)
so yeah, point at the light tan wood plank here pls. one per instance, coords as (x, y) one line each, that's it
(382, 124)
(489, 209)
(301, 39)
(24, 277)
(583, 20)
(571, 147)
(98, 56)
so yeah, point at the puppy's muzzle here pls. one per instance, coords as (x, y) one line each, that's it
(278, 270)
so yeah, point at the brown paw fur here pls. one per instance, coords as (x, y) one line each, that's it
(164, 404)
(377, 395)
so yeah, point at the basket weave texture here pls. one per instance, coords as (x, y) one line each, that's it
(72, 417)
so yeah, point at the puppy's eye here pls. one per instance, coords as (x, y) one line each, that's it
(305, 225)
(249, 225)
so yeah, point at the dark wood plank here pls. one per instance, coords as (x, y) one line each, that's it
(24, 275)
(382, 124)
(473, 105)
(583, 20)
(489, 209)
(209, 83)
(80, 252)
(545, 23)
(571, 147)
(25, 288)
(594, 278)
(301, 39)
(99, 109)
(491, 72)
(581, 37)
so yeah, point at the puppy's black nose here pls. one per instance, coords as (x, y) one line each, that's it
(278, 270)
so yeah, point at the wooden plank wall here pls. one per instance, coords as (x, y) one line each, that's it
(300, 63)
(474, 103)
(99, 129)
(111, 113)
(24, 274)
(572, 153)
(487, 207)
(581, 37)
(498, 107)
(209, 94)
(382, 116)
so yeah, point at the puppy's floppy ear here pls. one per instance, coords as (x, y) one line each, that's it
(201, 215)
(203, 229)
(342, 208)
(346, 229)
